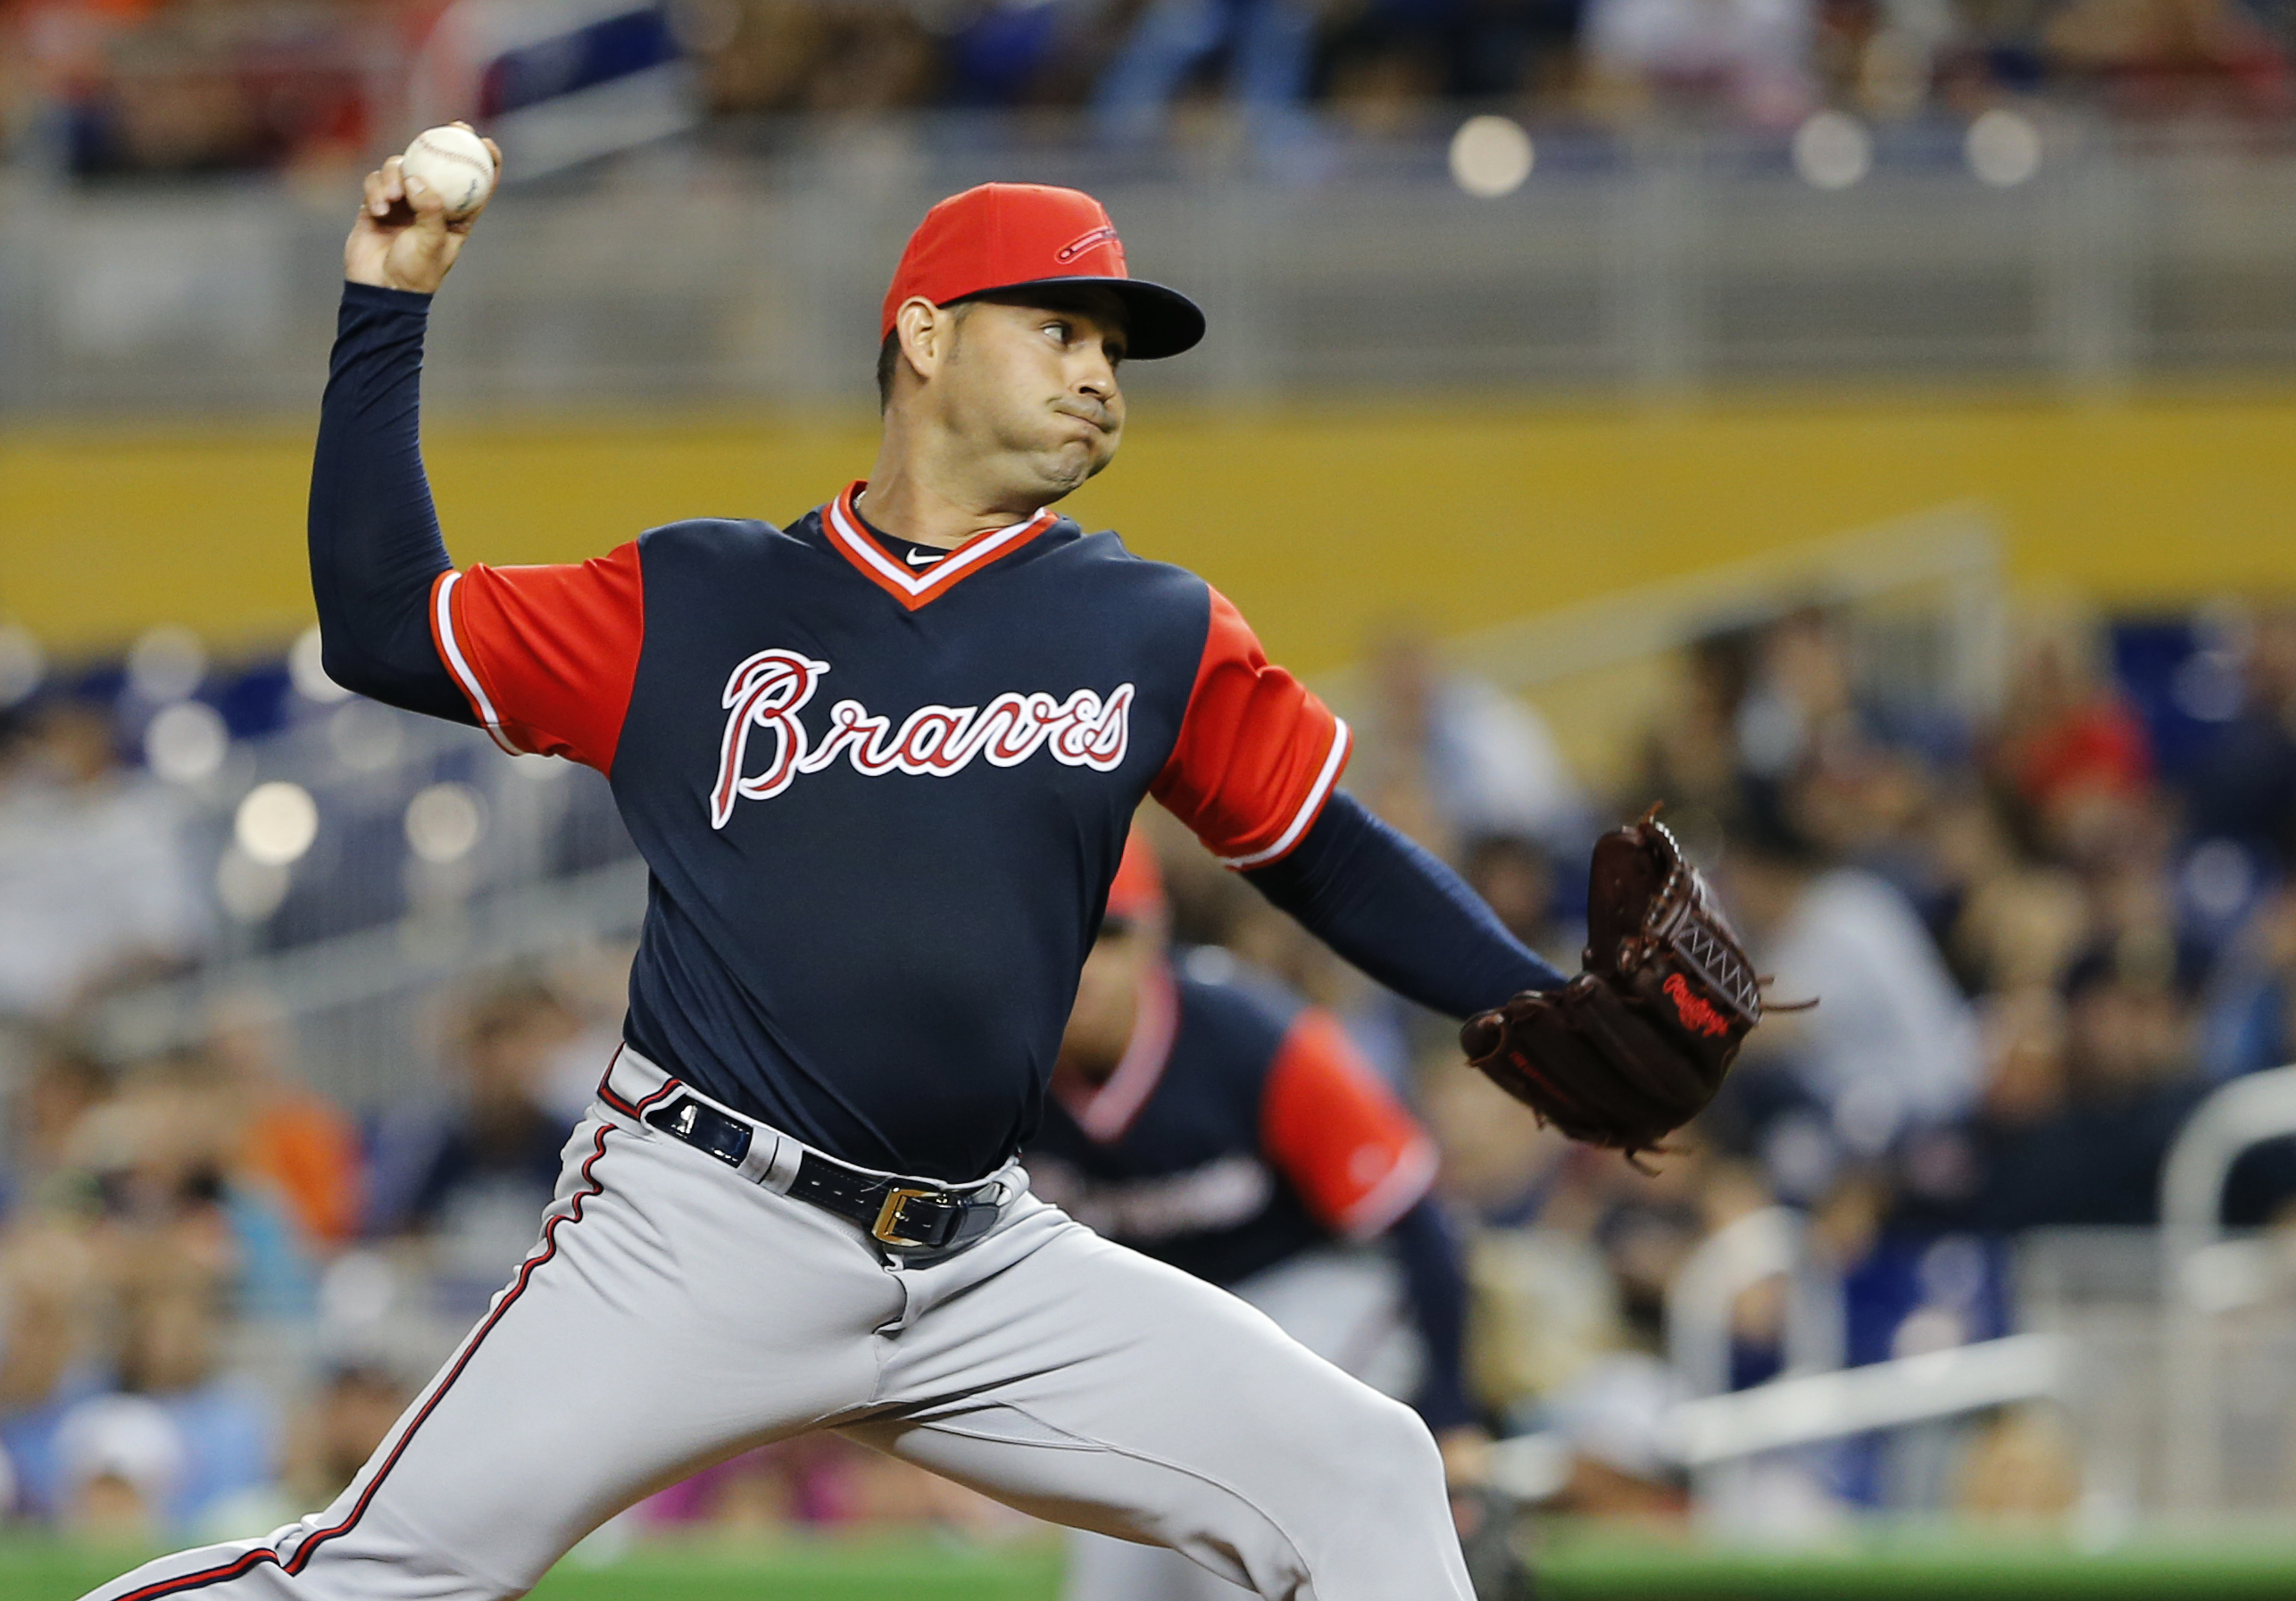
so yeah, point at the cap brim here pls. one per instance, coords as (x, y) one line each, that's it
(1159, 321)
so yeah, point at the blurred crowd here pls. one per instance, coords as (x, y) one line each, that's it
(174, 86)
(2041, 935)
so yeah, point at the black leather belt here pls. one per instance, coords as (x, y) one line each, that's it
(902, 1217)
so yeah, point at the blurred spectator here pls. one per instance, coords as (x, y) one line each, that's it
(2082, 1105)
(340, 1427)
(59, 1083)
(1891, 1045)
(162, 1155)
(92, 873)
(2244, 787)
(2006, 922)
(1877, 55)
(1515, 878)
(1448, 757)
(171, 1280)
(839, 56)
(51, 1308)
(142, 87)
(2249, 1023)
(1390, 56)
(128, 1279)
(1749, 58)
(292, 1138)
(1799, 711)
(1690, 756)
(1614, 1419)
(1268, 45)
(474, 1176)
(2159, 58)
(2068, 747)
(2023, 1468)
(124, 1460)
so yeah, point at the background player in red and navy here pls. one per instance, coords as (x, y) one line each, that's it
(881, 762)
(1204, 1115)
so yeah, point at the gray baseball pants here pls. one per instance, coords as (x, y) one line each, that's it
(675, 1312)
(1347, 1305)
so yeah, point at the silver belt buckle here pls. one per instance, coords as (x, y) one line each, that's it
(886, 1229)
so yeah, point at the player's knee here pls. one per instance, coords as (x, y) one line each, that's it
(1389, 1454)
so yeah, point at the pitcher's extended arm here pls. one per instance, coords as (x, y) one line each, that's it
(1399, 914)
(375, 545)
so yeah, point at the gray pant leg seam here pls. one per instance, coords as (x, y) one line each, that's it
(1087, 1443)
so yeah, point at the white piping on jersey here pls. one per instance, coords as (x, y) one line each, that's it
(1333, 762)
(917, 582)
(1400, 1190)
(462, 674)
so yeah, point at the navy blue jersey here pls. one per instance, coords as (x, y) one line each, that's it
(882, 802)
(1240, 1128)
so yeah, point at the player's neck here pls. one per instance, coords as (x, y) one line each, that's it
(935, 496)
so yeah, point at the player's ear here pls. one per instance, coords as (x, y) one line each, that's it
(927, 332)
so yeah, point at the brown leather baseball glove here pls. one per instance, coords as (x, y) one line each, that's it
(1637, 1044)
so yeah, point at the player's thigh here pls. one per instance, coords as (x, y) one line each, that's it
(669, 1315)
(1102, 1569)
(1090, 1385)
(682, 1314)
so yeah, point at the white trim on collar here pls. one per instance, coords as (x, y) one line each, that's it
(920, 581)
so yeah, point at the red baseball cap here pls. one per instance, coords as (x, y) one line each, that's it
(1012, 236)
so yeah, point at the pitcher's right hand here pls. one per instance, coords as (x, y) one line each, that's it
(402, 239)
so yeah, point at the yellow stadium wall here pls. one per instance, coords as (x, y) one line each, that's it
(1318, 523)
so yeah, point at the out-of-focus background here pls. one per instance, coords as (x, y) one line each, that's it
(1869, 425)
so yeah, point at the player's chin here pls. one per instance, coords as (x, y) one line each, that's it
(1067, 466)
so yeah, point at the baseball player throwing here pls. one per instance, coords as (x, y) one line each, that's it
(880, 761)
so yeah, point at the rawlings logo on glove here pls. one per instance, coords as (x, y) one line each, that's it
(1695, 1012)
(1638, 1043)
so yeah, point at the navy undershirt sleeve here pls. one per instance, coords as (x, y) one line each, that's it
(1401, 916)
(1436, 1280)
(375, 545)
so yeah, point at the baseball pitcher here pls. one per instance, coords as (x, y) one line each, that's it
(881, 761)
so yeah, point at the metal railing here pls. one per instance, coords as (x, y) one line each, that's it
(1652, 264)
(2205, 1276)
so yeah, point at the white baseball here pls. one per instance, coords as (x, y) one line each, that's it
(452, 160)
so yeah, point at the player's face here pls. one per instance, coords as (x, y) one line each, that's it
(1034, 387)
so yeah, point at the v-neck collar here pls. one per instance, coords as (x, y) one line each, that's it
(913, 587)
(1104, 1112)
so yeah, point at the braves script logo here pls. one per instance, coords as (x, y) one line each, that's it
(767, 692)
(1695, 1013)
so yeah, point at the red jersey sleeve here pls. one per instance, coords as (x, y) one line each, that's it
(546, 655)
(1328, 1124)
(1258, 755)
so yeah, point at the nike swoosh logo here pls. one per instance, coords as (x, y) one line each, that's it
(923, 558)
